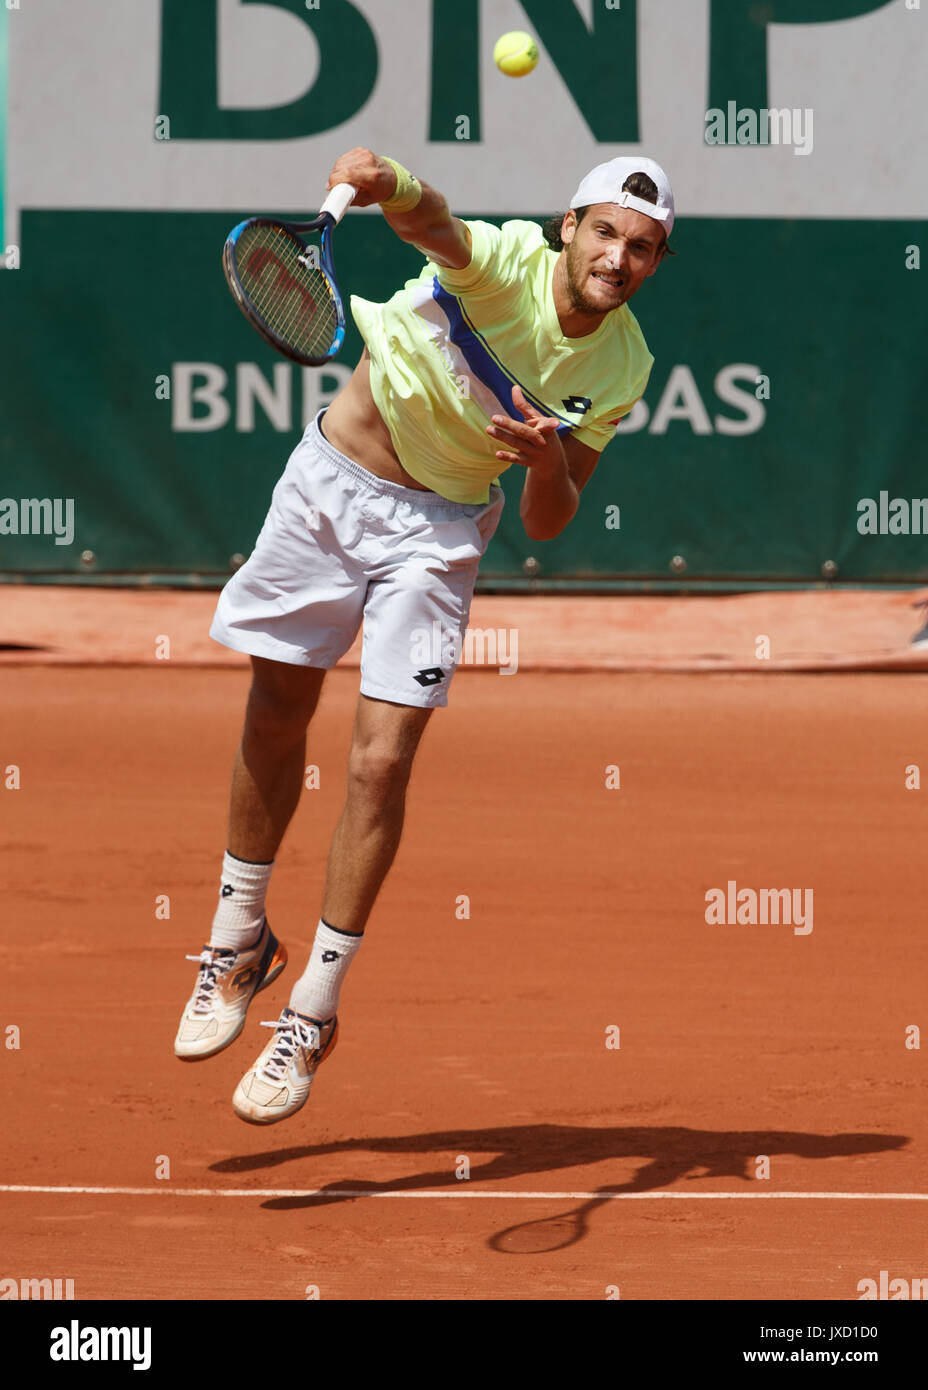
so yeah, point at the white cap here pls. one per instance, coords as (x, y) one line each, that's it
(604, 185)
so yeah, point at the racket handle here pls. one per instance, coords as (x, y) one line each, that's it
(339, 200)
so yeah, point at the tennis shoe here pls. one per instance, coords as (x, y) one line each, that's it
(921, 637)
(226, 983)
(277, 1086)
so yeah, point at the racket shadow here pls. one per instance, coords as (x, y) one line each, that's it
(546, 1233)
(662, 1155)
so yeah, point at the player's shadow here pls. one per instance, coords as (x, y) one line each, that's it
(670, 1153)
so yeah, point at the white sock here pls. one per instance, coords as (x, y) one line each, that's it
(240, 914)
(316, 992)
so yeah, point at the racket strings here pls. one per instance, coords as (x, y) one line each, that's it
(293, 297)
(289, 293)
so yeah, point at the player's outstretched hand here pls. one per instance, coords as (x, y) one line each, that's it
(373, 177)
(531, 441)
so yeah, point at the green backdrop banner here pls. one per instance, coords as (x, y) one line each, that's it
(781, 437)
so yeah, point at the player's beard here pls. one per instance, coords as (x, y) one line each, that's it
(581, 301)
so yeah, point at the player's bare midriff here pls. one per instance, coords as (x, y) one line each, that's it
(355, 427)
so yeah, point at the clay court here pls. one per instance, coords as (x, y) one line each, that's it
(577, 1060)
(592, 1168)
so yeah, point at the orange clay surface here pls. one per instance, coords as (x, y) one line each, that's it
(804, 630)
(479, 1038)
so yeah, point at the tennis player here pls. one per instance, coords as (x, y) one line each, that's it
(515, 345)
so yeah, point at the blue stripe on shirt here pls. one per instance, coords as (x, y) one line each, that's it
(484, 363)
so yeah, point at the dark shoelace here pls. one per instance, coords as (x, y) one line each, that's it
(292, 1033)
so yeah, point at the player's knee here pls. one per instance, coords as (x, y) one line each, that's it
(279, 710)
(378, 772)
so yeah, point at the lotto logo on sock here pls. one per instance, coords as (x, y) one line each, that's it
(329, 956)
(227, 890)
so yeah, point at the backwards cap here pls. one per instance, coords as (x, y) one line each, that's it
(604, 185)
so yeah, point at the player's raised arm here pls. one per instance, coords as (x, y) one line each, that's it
(417, 212)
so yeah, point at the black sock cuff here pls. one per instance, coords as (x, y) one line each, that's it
(339, 930)
(252, 863)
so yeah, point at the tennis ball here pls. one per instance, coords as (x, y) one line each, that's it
(515, 54)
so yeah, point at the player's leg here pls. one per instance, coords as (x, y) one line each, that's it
(243, 956)
(267, 776)
(295, 607)
(383, 746)
(420, 557)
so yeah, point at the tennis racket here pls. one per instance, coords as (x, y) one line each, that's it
(285, 286)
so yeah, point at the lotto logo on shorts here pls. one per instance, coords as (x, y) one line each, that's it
(430, 676)
(476, 646)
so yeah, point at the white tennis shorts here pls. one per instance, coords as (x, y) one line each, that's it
(340, 546)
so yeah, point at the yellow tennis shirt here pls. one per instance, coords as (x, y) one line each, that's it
(448, 348)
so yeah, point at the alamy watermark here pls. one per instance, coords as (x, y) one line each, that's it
(892, 1289)
(736, 125)
(733, 906)
(892, 516)
(36, 1289)
(77, 1343)
(38, 516)
(438, 648)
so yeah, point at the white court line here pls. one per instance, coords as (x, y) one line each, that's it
(168, 1191)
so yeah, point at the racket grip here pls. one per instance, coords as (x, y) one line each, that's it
(339, 200)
